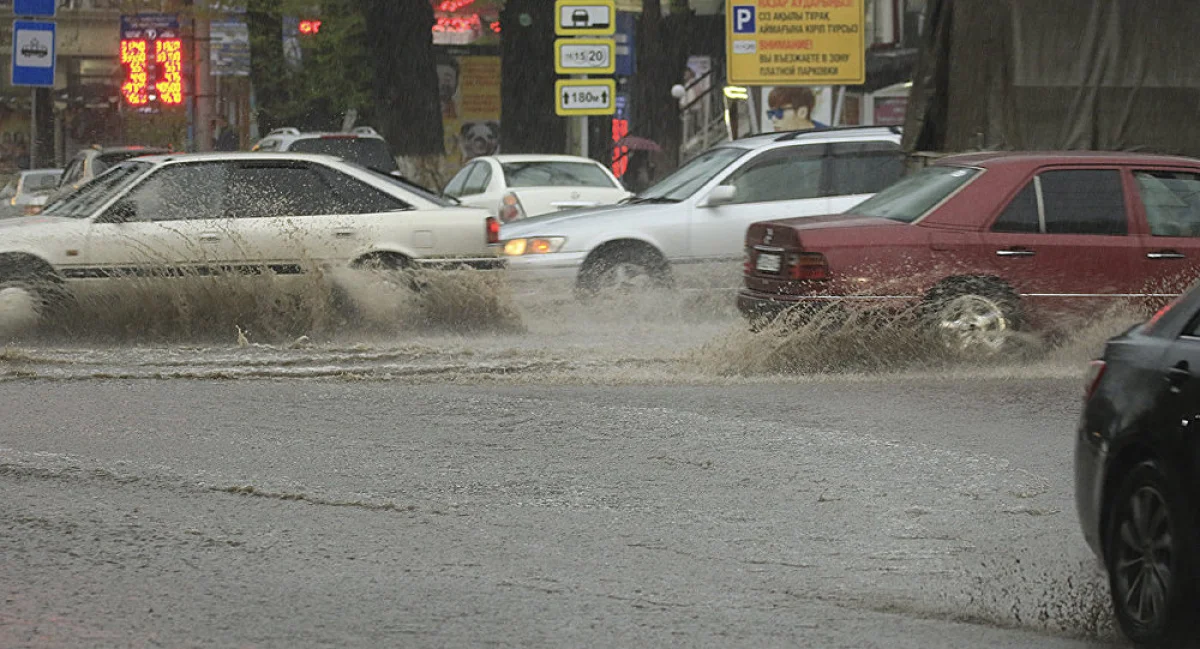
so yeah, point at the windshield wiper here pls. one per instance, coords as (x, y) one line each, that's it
(640, 200)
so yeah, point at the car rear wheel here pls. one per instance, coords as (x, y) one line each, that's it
(976, 315)
(1148, 544)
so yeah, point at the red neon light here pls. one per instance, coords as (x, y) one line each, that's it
(137, 81)
(454, 5)
(495, 26)
(452, 24)
(310, 27)
(168, 53)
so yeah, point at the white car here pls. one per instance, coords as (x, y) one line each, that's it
(181, 217)
(514, 187)
(689, 228)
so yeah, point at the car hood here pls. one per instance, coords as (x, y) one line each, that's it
(561, 223)
(30, 221)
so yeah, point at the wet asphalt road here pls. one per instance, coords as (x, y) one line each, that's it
(880, 512)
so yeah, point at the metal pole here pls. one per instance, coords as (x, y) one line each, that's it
(583, 136)
(837, 109)
(33, 128)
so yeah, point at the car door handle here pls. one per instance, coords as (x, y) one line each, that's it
(343, 234)
(1166, 254)
(1178, 375)
(208, 237)
(1014, 252)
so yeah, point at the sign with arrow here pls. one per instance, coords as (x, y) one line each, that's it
(585, 96)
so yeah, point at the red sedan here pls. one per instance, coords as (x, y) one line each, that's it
(989, 242)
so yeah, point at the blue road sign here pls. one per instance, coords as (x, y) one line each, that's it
(33, 54)
(626, 31)
(743, 19)
(40, 8)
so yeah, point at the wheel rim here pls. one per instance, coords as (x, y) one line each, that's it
(1143, 552)
(973, 322)
(625, 277)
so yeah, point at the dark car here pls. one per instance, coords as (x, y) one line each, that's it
(1137, 473)
(990, 242)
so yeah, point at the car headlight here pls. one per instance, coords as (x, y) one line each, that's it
(533, 246)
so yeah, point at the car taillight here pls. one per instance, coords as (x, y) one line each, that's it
(493, 230)
(510, 208)
(807, 266)
(1095, 372)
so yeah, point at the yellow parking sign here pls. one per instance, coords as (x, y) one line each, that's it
(796, 42)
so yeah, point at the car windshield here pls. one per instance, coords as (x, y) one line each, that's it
(912, 197)
(84, 202)
(689, 178)
(370, 152)
(555, 174)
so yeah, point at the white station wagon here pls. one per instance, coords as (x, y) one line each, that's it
(195, 215)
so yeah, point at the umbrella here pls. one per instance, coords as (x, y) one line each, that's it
(635, 143)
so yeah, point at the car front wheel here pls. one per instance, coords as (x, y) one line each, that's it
(1148, 553)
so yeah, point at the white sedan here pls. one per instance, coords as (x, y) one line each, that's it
(514, 187)
(182, 217)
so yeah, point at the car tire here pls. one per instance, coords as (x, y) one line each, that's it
(42, 295)
(623, 271)
(972, 314)
(1149, 541)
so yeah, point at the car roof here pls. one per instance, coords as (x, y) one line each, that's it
(815, 135)
(130, 149)
(995, 159)
(238, 155)
(539, 157)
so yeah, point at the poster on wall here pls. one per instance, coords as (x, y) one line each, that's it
(469, 89)
(795, 108)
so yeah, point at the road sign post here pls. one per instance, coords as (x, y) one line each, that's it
(585, 56)
(580, 96)
(586, 96)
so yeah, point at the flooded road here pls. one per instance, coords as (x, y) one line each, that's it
(597, 476)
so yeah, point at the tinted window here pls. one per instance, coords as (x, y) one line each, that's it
(370, 152)
(555, 174)
(909, 199)
(863, 167)
(785, 174)
(40, 181)
(278, 190)
(356, 197)
(1172, 202)
(456, 184)
(84, 202)
(178, 192)
(1021, 214)
(477, 182)
(689, 178)
(1083, 201)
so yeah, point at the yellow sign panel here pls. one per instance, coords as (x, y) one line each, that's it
(585, 96)
(585, 56)
(796, 42)
(585, 18)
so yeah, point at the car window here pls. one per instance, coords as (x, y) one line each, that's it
(176, 193)
(476, 179)
(352, 196)
(863, 167)
(780, 175)
(278, 189)
(73, 171)
(1172, 202)
(455, 186)
(40, 181)
(1083, 201)
(555, 174)
(110, 158)
(909, 199)
(1021, 214)
(370, 152)
(94, 193)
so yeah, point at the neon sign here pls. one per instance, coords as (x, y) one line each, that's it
(310, 27)
(137, 81)
(152, 55)
(168, 53)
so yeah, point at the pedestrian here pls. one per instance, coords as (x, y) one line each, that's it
(227, 139)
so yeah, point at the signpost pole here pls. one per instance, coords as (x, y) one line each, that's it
(33, 128)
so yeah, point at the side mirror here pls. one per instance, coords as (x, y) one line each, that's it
(720, 195)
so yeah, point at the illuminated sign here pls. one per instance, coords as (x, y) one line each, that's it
(310, 27)
(620, 128)
(152, 55)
